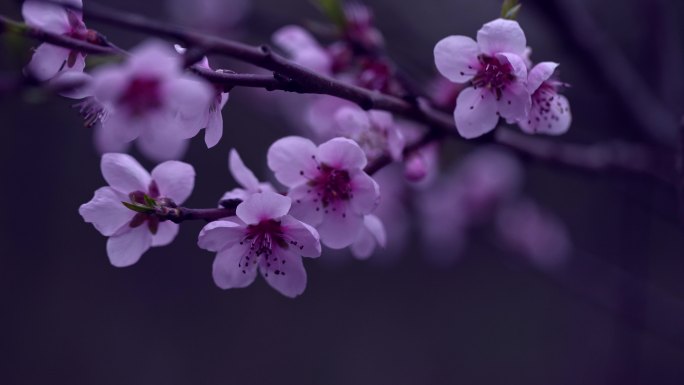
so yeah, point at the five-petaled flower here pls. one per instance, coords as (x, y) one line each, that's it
(550, 112)
(48, 60)
(495, 67)
(262, 236)
(130, 233)
(150, 95)
(328, 186)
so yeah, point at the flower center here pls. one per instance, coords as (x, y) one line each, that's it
(333, 185)
(493, 74)
(140, 218)
(262, 238)
(141, 96)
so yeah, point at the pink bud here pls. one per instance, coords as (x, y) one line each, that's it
(415, 168)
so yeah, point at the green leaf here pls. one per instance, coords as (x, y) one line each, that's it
(138, 208)
(333, 10)
(510, 9)
(149, 201)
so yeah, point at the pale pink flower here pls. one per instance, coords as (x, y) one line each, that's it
(374, 131)
(495, 66)
(48, 60)
(550, 112)
(262, 235)
(245, 178)
(303, 48)
(327, 184)
(527, 229)
(150, 96)
(131, 233)
(371, 235)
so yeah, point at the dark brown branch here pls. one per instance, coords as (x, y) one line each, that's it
(182, 214)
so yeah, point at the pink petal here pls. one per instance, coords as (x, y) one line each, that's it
(342, 154)
(306, 237)
(124, 174)
(303, 48)
(475, 113)
(190, 96)
(243, 175)
(219, 235)
(292, 159)
(376, 228)
(539, 74)
(351, 120)
(160, 145)
(340, 228)
(456, 58)
(228, 271)
(66, 79)
(106, 212)
(554, 120)
(366, 193)
(155, 58)
(124, 128)
(109, 83)
(214, 130)
(175, 180)
(501, 36)
(47, 61)
(373, 233)
(263, 206)
(126, 248)
(49, 17)
(106, 140)
(303, 206)
(291, 280)
(166, 233)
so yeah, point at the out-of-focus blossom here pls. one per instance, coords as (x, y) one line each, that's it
(303, 48)
(48, 60)
(245, 177)
(496, 68)
(373, 130)
(371, 235)
(550, 112)
(262, 235)
(327, 184)
(215, 16)
(149, 96)
(527, 229)
(130, 233)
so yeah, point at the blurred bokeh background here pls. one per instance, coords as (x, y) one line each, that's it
(609, 317)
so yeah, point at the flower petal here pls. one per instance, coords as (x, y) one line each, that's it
(342, 154)
(305, 205)
(366, 193)
(456, 58)
(550, 114)
(292, 159)
(502, 35)
(126, 248)
(340, 228)
(65, 81)
(106, 212)
(306, 237)
(49, 17)
(228, 271)
(214, 130)
(47, 61)
(219, 235)
(352, 121)
(475, 113)
(263, 206)
(243, 175)
(174, 180)
(290, 279)
(539, 74)
(190, 96)
(124, 174)
(166, 233)
(159, 145)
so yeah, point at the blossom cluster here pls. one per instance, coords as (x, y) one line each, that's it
(325, 195)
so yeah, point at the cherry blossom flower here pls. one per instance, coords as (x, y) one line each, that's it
(131, 234)
(327, 184)
(373, 130)
(245, 177)
(262, 235)
(48, 60)
(495, 66)
(150, 96)
(550, 112)
(303, 48)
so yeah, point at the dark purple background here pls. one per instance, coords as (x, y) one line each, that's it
(69, 317)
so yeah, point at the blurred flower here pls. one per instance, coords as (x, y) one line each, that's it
(327, 183)
(215, 16)
(550, 112)
(245, 177)
(496, 67)
(374, 131)
(303, 48)
(130, 233)
(371, 235)
(264, 235)
(48, 60)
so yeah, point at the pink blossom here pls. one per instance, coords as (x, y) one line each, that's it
(495, 66)
(48, 60)
(130, 233)
(262, 235)
(327, 184)
(245, 178)
(527, 229)
(371, 235)
(303, 48)
(373, 130)
(149, 96)
(550, 112)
